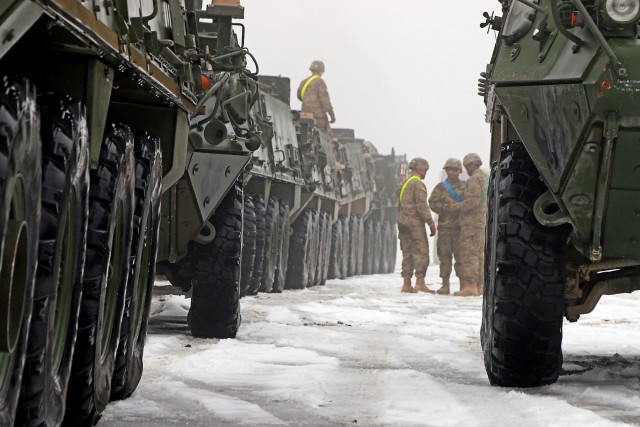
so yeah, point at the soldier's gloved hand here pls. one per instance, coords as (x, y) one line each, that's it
(432, 227)
(332, 115)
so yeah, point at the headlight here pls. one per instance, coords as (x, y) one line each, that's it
(623, 11)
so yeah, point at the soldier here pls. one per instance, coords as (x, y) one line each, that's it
(413, 213)
(472, 221)
(450, 191)
(315, 97)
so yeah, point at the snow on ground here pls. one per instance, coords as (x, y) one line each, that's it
(358, 352)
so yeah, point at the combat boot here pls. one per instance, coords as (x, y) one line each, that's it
(444, 289)
(467, 290)
(422, 287)
(406, 286)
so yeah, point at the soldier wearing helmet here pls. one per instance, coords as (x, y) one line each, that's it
(413, 213)
(315, 99)
(450, 191)
(472, 221)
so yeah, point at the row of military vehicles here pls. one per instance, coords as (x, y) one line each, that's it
(136, 138)
(563, 222)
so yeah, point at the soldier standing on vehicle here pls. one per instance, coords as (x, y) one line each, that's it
(472, 221)
(449, 191)
(315, 97)
(413, 213)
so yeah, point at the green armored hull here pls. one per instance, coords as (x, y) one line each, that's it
(563, 222)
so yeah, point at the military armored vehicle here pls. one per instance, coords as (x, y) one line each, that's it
(317, 206)
(563, 224)
(106, 108)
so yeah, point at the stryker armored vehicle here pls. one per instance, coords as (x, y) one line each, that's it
(316, 206)
(563, 217)
(106, 108)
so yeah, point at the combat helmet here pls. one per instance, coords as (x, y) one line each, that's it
(317, 67)
(453, 164)
(471, 158)
(420, 164)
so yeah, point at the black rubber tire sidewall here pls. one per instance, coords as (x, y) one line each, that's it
(20, 155)
(65, 165)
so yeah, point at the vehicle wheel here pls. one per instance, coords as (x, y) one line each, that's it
(359, 246)
(346, 246)
(353, 245)
(326, 247)
(393, 246)
(256, 275)
(249, 233)
(144, 247)
(314, 249)
(106, 271)
(284, 226)
(367, 257)
(215, 302)
(63, 231)
(335, 257)
(300, 251)
(377, 248)
(271, 245)
(385, 252)
(523, 303)
(20, 183)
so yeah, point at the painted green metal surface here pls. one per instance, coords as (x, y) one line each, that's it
(574, 104)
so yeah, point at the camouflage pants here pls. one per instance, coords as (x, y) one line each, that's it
(323, 123)
(472, 256)
(448, 247)
(415, 250)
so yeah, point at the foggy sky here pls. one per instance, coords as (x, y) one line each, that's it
(403, 74)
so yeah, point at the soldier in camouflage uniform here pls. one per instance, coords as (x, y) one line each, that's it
(472, 222)
(413, 213)
(315, 97)
(450, 191)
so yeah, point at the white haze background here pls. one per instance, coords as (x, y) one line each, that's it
(403, 74)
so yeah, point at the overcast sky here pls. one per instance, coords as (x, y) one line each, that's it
(403, 74)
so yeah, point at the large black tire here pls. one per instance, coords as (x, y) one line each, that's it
(346, 246)
(354, 228)
(20, 183)
(393, 245)
(524, 293)
(271, 245)
(325, 238)
(144, 248)
(367, 257)
(359, 245)
(215, 302)
(105, 278)
(249, 233)
(314, 249)
(63, 233)
(377, 248)
(284, 231)
(300, 251)
(385, 253)
(256, 275)
(335, 257)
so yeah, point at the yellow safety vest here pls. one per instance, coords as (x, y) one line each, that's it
(404, 187)
(306, 85)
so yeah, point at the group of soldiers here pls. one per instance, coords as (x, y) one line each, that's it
(460, 206)
(461, 209)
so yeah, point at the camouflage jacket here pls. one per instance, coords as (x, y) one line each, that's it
(474, 206)
(441, 199)
(316, 98)
(413, 210)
